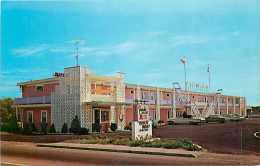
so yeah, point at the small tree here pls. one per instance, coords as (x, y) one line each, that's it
(44, 126)
(64, 128)
(52, 129)
(113, 126)
(75, 125)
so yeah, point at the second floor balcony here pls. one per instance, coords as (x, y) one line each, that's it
(33, 100)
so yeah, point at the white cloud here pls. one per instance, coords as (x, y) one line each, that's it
(141, 46)
(30, 51)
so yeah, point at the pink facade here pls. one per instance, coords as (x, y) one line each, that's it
(32, 91)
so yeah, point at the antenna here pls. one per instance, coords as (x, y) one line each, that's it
(209, 75)
(77, 51)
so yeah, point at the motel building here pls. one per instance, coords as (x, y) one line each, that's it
(103, 100)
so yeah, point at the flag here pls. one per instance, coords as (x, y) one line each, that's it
(208, 70)
(184, 60)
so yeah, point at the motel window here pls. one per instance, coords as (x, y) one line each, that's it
(104, 116)
(30, 117)
(237, 100)
(152, 97)
(39, 88)
(132, 91)
(44, 116)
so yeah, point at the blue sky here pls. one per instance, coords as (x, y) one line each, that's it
(143, 39)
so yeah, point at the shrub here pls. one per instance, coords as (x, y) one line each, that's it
(27, 128)
(52, 129)
(75, 125)
(128, 126)
(96, 127)
(113, 126)
(83, 131)
(11, 125)
(154, 126)
(44, 126)
(64, 128)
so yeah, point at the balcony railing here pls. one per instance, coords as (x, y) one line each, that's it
(33, 100)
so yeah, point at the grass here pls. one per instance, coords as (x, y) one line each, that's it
(155, 143)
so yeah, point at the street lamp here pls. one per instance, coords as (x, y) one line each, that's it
(184, 61)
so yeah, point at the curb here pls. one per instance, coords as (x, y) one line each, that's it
(118, 150)
(255, 134)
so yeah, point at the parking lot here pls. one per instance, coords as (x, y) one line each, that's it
(229, 137)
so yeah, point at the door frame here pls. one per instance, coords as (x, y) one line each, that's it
(94, 109)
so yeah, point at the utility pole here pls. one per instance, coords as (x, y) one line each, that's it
(184, 61)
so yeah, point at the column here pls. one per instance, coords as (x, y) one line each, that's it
(227, 105)
(234, 105)
(112, 114)
(174, 104)
(158, 104)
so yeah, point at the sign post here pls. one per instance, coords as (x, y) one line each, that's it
(142, 125)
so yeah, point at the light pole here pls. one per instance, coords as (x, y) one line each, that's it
(184, 61)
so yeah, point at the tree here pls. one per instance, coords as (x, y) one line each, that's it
(8, 121)
(75, 125)
(64, 128)
(6, 110)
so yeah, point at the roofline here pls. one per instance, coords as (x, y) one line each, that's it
(170, 90)
(38, 81)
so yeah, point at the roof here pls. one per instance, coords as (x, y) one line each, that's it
(47, 80)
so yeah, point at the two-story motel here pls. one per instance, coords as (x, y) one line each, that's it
(98, 100)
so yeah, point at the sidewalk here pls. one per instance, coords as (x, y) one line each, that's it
(123, 149)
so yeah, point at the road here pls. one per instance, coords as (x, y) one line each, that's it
(29, 154)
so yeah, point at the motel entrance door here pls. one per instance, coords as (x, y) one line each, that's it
(96, 120)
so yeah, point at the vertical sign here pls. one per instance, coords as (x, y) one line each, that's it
(141, 126)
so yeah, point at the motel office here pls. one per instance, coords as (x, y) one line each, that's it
(102, 100)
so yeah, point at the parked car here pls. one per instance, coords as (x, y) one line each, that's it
(227, 117)
(236, 117)
(215, 119)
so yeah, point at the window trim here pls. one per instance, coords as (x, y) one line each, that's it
(27, 116)
(108, 115)
(39, 90)
(46, 115)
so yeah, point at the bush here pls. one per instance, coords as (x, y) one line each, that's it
(75, 125)
(113, 126)
(154, 126)
(52, 129)
(44, 127)
(28, 128)
(11, 125)
(96, 127)
(128, 126)
(64, 128)
(83, 131)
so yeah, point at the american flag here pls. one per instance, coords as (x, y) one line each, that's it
(208, 70)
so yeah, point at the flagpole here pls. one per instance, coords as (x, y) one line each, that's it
(209, 76)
